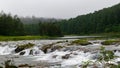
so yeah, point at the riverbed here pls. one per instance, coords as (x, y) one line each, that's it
(68, 56)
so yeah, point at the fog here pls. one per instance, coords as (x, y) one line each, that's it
(54, 8)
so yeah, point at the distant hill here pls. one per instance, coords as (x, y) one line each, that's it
(102, 21)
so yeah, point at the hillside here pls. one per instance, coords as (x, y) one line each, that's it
(102, 21)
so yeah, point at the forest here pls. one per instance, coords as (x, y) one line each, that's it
(103, 21)
(14, 26)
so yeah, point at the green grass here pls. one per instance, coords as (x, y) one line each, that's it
(107, 35)
(81, 42)
(111, 42)
(16, 38)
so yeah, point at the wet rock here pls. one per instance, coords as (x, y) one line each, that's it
(37, 52)
(56, 48)
(50, 48)
(54, 56)
(18, 49)
(45, 48)
(24, 46)
(22, 53)
(75, 53)
(24, 66)
(70, 48)
(118, 50)
(66, 56)
(118, 62)
(114, 50)
(31, 52)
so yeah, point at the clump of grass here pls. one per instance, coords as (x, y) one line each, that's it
(24, 46)
(81, 42)
(104, 57)
(110, 42)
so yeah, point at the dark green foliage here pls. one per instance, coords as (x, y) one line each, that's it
(10, 25)
(31, 29)
(41, 26)
(102, 21)
(106, 55)
(49, 29)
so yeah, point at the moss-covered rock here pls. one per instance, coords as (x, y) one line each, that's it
(46, 47)
(81, 42)
(66, 56)
(24, 46)
(24, 66)
(111, 42)
(51, 48)
(56, 48)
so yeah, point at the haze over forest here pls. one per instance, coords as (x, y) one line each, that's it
(54, 8)
(104, 20)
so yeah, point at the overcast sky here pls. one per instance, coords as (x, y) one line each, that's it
(54, 8)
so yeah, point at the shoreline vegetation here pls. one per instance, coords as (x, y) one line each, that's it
(17, 38)
(103, 36)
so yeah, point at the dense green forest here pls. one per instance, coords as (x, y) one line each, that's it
(10, 25)
(103, 21)
(14, 26)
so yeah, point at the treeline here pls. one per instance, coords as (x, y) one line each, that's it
(13, 26)
(10, 25)
(102, 21)
(43, 29)
(49, 29)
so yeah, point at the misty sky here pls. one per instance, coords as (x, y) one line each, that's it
(54, 8)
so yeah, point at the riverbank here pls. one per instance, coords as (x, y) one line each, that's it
(16, 38)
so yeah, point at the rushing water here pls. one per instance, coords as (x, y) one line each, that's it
(68, 56)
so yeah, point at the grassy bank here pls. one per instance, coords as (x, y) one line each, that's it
(111, 34)
(16, 38)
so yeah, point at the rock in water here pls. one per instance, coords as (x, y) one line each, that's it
(22, 53)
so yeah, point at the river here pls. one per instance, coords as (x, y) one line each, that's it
(66, 56)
